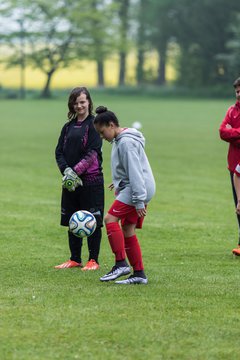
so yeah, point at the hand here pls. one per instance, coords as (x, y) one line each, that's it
(228, 126)
(141, 212)
(70, 180)
(111, 187)
(238, 208)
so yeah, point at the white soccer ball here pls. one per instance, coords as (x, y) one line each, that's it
(82, 223)
(137, 125)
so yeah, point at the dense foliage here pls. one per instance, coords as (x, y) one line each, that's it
(200, 38)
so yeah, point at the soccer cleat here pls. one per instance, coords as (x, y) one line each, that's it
(91, 265)
(236, 251)
(115, 273)
(132, 280)
(68, 264)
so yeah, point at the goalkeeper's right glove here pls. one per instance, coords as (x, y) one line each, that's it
(70, 180)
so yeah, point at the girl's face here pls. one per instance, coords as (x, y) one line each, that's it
(237, 92)
(106, 132)
(81, 106)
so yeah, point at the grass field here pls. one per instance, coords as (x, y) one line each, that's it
(189, 308)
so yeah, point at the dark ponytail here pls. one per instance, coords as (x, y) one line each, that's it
(105, 116)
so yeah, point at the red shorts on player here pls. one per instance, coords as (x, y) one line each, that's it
(126, 213)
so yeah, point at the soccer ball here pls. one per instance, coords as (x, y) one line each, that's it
(82, 223)
(137, 125)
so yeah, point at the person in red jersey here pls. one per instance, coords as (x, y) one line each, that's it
(79, 159)
(134, 186)
(230, 132)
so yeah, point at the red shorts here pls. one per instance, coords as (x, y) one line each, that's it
(126, 213)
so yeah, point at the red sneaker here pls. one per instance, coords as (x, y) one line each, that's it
(68, 264)
(236, 251)
(91, 265)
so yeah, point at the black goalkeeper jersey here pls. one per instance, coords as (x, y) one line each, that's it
(79, 147)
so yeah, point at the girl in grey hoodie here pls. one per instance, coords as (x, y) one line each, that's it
(134, 186)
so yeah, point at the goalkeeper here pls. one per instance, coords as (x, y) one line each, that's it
(79, 158)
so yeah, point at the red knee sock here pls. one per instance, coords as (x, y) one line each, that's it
(134, 253)
(116, 240)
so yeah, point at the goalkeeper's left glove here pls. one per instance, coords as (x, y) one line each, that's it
(70, 180)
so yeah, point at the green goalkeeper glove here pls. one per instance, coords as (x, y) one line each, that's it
(70, 180)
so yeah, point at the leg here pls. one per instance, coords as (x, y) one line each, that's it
(134, 255)
(93, 200)
(94, 242)
(115, 237)
(116, 241)
(132, 247)
(75, 246)
(235, 202)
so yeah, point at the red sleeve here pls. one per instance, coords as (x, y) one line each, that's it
(229, 135)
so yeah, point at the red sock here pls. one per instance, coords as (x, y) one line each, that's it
(116, 240)
(134, 253)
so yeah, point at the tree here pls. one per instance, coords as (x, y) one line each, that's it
(123, 14)
(154, 33)
(50, 36)
(100, 33)
(141, 40)
(16, 39)
(22, 58)
(161, 31)
(203, 32)
(230, 60)
(56, 36)
(51, 41)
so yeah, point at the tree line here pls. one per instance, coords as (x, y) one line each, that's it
(199, 37)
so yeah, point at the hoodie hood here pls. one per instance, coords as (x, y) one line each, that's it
(131, 133)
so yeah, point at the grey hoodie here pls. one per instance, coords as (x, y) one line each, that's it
(131, 172)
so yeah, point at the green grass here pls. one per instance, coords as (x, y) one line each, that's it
(189, 309)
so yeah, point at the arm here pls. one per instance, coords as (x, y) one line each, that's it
(235, 142)
(236, 180)
(227, 132)
(133, 167)
(61, 162)
(70, 180)
(93, 147)
(89, 159)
